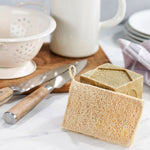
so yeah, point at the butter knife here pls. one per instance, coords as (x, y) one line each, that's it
(28, 103)
(7, 93)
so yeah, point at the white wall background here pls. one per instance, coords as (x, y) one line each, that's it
(109, 7)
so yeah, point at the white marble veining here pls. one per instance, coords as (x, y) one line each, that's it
(41, 128)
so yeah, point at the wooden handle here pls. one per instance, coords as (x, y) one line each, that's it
(25, 105)
(5, 95)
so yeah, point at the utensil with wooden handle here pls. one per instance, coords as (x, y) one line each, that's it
(7, 93)
(28, 103)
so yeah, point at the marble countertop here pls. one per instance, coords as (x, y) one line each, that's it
(41, 128)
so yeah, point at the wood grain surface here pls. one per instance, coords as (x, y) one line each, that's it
(5, 95)
(46, 61)
(29, 102)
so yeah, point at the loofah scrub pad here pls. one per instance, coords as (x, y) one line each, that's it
(103, 114)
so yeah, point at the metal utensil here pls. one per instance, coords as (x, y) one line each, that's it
(28, 103)
(7, 93)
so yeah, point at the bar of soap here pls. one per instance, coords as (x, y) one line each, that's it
(103, 114)
(114, 78)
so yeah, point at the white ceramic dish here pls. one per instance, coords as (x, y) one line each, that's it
(140, 21)
(22, 33)
(131, 30)
(132, 39)
(13, 73)
(133, 36)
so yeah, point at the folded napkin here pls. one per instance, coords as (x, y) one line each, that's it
(137, 57)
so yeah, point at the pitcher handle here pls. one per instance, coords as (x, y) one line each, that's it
(33, 3)
(117, 18)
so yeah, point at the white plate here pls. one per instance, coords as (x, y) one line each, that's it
(133, 35)
(132, 39)
(131, 30)
(140, 21)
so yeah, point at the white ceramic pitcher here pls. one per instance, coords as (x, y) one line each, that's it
(78, 26)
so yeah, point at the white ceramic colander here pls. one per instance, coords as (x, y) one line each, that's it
(22, 33)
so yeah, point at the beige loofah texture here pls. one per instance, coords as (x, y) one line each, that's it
(114, 78)
(103, 114)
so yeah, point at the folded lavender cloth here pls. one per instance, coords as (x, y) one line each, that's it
(137, 57)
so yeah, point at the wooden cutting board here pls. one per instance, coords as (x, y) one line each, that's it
(47, 60)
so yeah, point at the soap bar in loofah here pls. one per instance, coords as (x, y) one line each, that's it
(114, 78)
(103, 114)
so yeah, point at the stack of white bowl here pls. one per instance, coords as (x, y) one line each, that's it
(137, 28)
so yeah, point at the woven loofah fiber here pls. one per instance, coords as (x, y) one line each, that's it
(103, 114)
